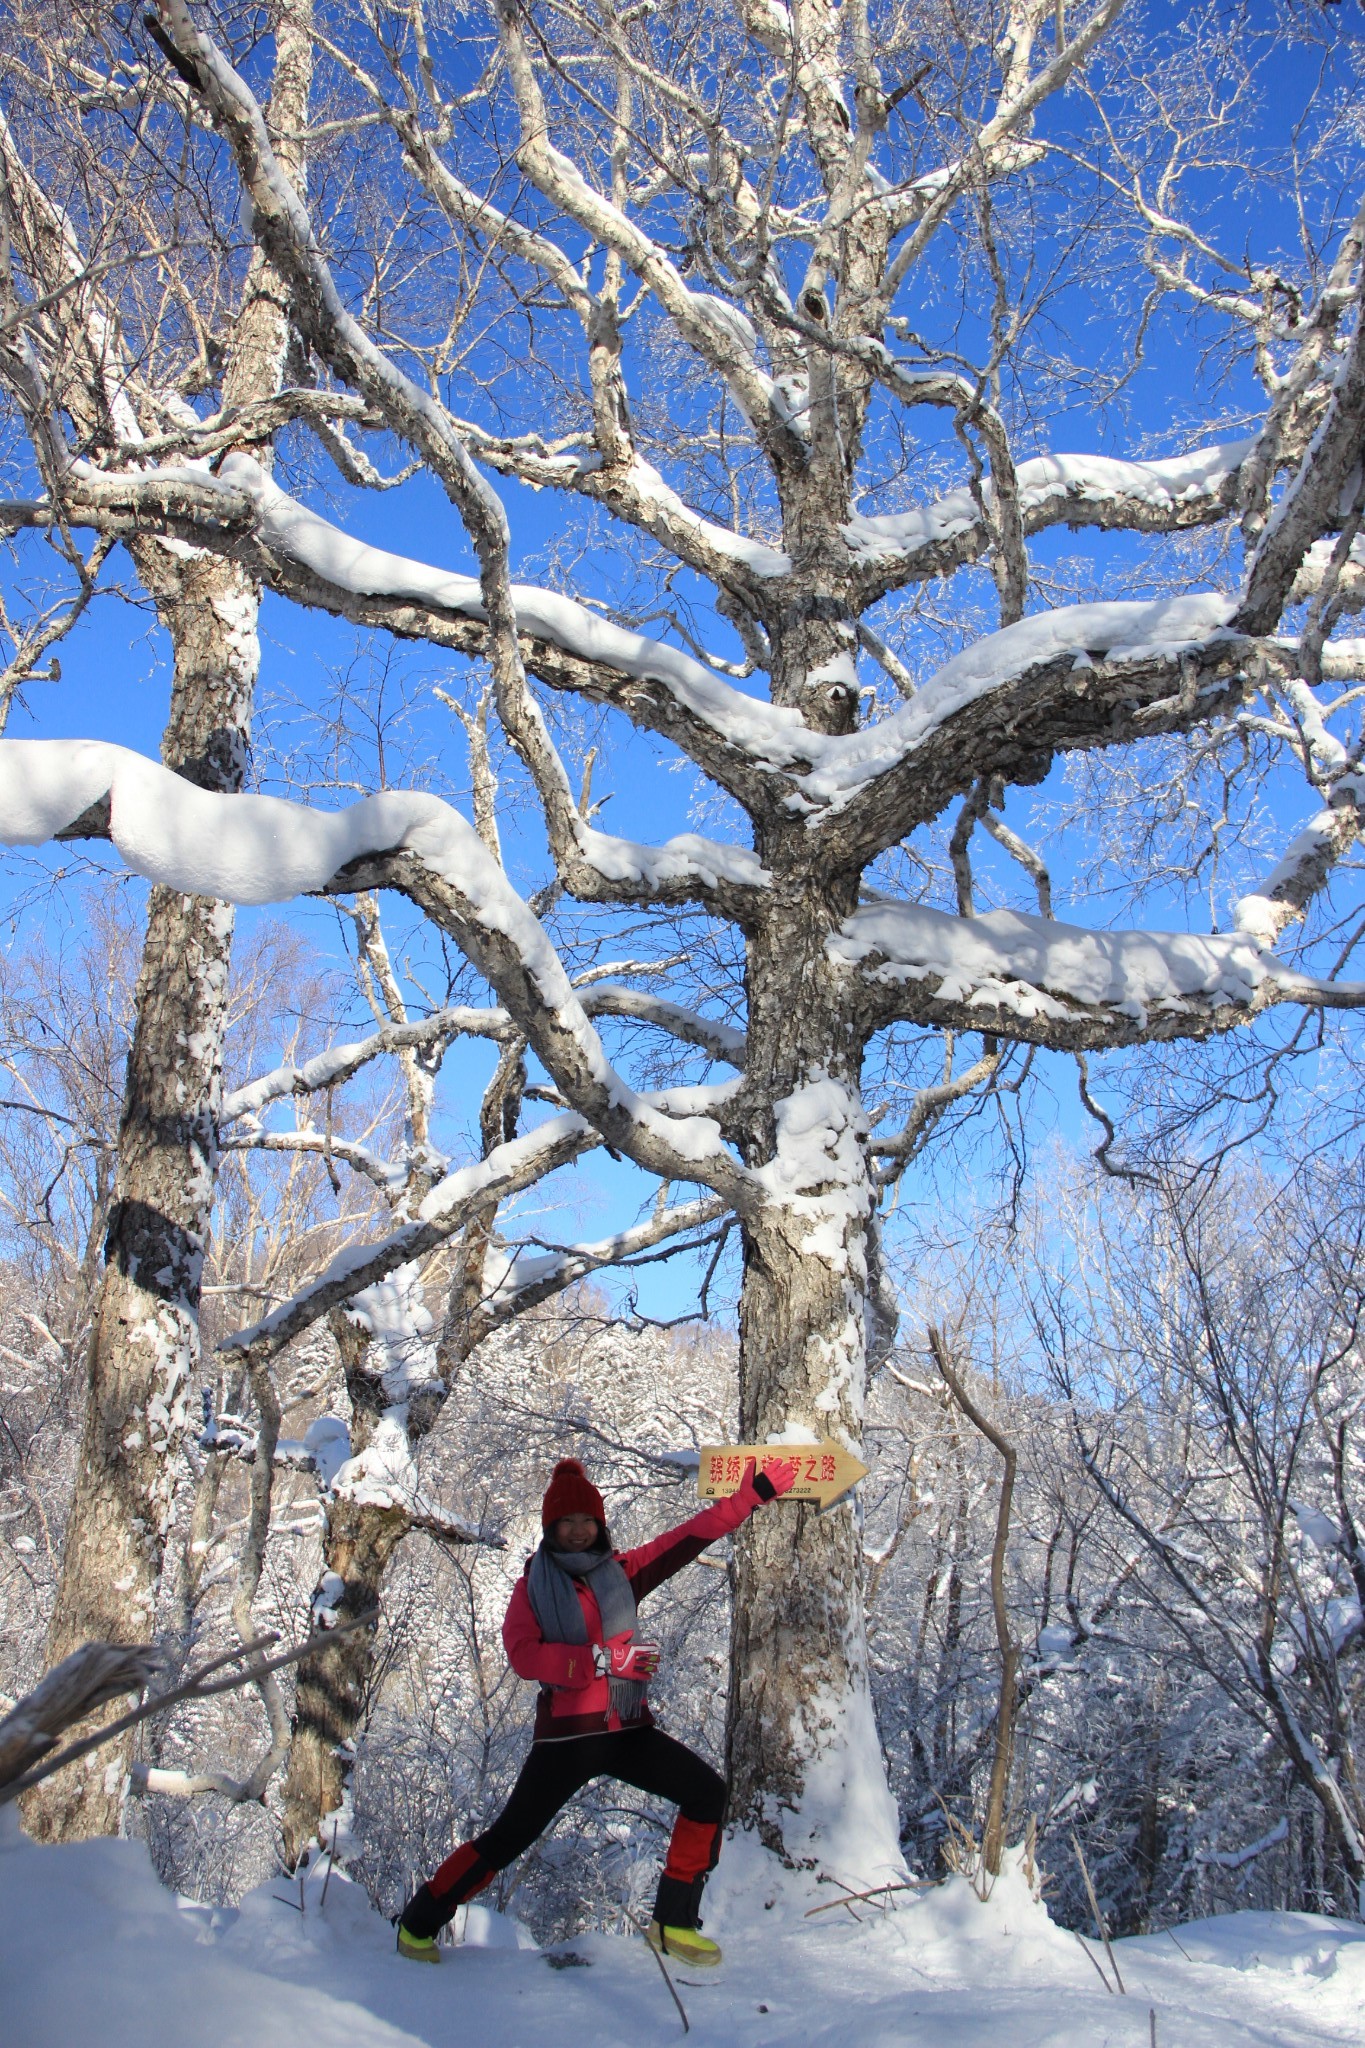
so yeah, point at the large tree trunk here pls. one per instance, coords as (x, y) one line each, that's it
(804, 1758)
(145, 1343)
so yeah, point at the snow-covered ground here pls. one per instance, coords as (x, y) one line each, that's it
(93, 1949)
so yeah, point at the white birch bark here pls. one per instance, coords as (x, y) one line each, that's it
(145, 1346)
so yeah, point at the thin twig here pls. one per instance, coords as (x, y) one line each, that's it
(331, 1864)
(1095, 1960)
(193, 1688)
(1099, 1917)
(663, 1966)
(882, 1891)
(849, 1895)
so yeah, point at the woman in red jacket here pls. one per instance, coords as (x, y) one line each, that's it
(571, 1626)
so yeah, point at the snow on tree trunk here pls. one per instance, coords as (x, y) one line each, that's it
(395, 1395)
(145, 1344)
(334, 1683)
(804, 1757)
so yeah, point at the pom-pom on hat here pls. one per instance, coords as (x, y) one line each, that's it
(570, 1492)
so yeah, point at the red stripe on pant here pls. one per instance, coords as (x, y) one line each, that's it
(456, 1872)
(693, 1849)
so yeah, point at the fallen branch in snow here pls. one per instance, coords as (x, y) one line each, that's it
(882, 1891)
(193, 1688)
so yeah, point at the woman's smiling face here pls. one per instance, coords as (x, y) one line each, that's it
(576, 1532)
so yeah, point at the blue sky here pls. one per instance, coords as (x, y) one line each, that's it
(115, 678)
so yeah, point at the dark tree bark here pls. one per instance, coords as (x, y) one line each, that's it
(334, 1682)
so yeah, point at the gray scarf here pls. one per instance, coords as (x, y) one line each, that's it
(559, 1614)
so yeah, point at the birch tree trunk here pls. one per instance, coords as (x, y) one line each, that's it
(145, 1343)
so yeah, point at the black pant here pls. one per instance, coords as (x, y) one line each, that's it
(552, 1773)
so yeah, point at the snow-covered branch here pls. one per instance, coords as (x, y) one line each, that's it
(255, 849)
(1318, 498)
(387, 1175)
(1080, 675)
(1166, 495)
(535, 1276)
(719, 333)
(899, 1148)
(1307, 864)
(995, 144)
(720, 1041)
(284, 228)
(505, 1171)
(340, 1063)
(285, 232)
(1061, 985)
(304, 557)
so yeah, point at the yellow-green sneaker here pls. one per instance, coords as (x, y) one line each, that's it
(684, 1945)
(416, 1948)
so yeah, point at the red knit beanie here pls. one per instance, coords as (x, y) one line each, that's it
(570, 1492)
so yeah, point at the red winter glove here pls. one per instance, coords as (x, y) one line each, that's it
(624, 1658)
(781, 1475)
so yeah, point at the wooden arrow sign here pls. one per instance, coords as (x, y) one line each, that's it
(826, 1475)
